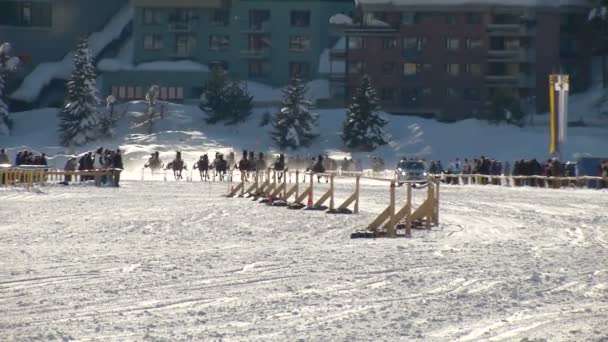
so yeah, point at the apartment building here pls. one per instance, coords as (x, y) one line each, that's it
(260, 40)
(449, 61)
(45, 30)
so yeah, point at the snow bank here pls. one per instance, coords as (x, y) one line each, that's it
(44, 73)
(108, 65)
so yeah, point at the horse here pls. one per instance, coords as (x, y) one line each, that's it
(154, 163)
(177, 165)
(203, 167)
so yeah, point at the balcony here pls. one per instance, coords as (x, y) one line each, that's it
(256, 53)
(179, 26)
(338, 78)
(410, 52)
(510, 30)
(337, 54)
(512, 80)
(261, 27)
(512, 56)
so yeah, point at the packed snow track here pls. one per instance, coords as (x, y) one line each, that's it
(175, 261)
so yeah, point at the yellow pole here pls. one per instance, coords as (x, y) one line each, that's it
(552, 112)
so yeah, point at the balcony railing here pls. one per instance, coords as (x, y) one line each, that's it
(261, 27)
(513, 80)
(510, 30)
(255, 53)
(179, 26)
(512, 55)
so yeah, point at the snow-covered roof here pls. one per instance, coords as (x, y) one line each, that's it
(44, 73)
(531, 3)
(340, 19)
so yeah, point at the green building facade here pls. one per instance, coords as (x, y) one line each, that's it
(267, 41)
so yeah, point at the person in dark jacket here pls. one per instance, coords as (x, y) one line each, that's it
(118, 167)
(318, 167)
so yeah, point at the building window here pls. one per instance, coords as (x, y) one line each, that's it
(452, 43)
(450, 19)
(473, 69)
(412, 95)
(473, 18)
(153, 42)
(26, 13)
(414, 43)
(300, 70)
(410, 69)
(473, 43)
(258, 42)
(300, 18)
(358, 67)
(258, 18)
(219, 42)
(220, 17)
(452, 69)
(185, 44)
(388, 68)
(409, 18)
(387, 94)
(139, 92)
(299, 43)
(223, 65)
(472, 94)
(451, 92)
(356, 43)
(152, 16)
(389, 43)
(258, 69)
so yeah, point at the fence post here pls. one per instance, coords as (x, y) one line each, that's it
(408, 210)
(356, 211)
(391, 228)
(331, 189)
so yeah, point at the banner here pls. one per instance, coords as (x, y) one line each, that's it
(558, 105)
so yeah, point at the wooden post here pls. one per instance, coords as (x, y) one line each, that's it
(356, 211)
(391, 228)
(408, 210)
(331, 189)
(297, 182)
(437, 204)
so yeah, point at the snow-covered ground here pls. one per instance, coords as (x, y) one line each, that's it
(175, 261)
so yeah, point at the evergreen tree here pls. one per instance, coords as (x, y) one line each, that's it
(109, 119)
(212, 99)
(238, 103)
(294, 123)
(224, 99)
(152, 96)
(80, 115)
(362, 129)
(7, 64)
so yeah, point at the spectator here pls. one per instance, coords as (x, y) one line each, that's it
(118, 167)
(4, 157)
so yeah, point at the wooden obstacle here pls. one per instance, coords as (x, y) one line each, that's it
(29, 177)
(427, 214)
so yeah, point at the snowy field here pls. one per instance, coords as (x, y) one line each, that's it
(175, 261)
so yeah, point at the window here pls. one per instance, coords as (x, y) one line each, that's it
(473, 69)
(451, 92)
(389, 43)
(299, 43)
(472, 94)
(184, 45)
(410, 69)
(152, 16)
(412, 95)
(258, 18)
(131, 92)
(258, 42)
(139, 92)
(450, 19)
(388, 68)
(414, 43)
(219, 64)
(358, 67)
(299, 69)
(220, 17)
(473, 18)
(163, 93)
(356, 43)
(219, 42)
(153, 42)
(258, 69)
(387, 94)
(26, 13)
(452, 43)
(409, 18)
(473, 43)
(452, 69)
(300, 18)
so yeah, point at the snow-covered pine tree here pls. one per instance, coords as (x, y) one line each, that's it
(362, 129)
(7, 64)
(109, 118)
(294, 124)
(212, 99)
(80, 114)
(238, 103)
(152, 96)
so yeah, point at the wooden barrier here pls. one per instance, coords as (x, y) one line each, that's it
(41, 177)
(532, 180)
(354, 198)
(389, 220)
